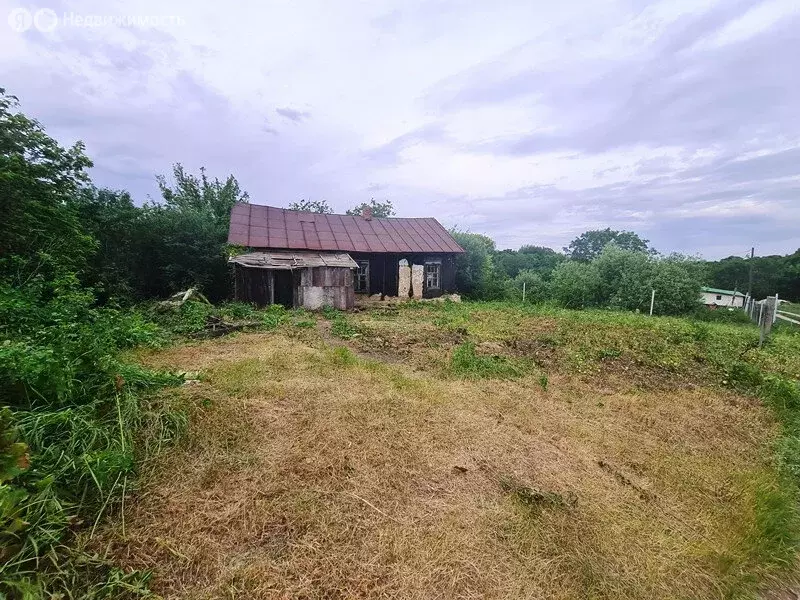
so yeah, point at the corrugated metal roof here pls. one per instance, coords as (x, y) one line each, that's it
(259, 226)
(711, 290)
(294, 260)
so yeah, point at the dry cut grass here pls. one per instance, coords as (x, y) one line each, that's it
(311, 473)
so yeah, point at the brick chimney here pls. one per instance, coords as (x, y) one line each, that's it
(366, 212)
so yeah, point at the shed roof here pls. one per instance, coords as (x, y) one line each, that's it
(259, 226)
(294, 260)
(711, 290)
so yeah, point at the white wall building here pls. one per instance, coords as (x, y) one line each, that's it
(728, 298)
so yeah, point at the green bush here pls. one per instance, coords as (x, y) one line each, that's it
(576, 285)
(237, 311)
(537, 290)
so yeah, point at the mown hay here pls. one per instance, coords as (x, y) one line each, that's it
(313, 473)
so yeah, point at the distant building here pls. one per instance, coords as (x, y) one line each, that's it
(315, 260)
(714, 297)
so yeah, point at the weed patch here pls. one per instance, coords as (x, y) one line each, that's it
(341, 326)
(465, 362)
(273, 316)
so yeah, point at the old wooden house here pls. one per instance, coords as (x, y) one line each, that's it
(313, 260)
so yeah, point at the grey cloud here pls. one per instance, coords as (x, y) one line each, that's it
(388, 153)
(293, 115)
(692, 210)
(784, 163)
(672, 95)
(132, 134)
(738, 99)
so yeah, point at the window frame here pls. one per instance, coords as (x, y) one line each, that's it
(437, 273)
(358, 275)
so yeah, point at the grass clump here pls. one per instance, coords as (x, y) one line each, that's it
(466, 362)
(341, 327)
(536, 499)
(343, 357)
(273, 316)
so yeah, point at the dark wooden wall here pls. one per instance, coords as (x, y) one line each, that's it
(252, 285)
(383, 271)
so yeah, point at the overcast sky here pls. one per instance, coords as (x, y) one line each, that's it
(528, 121)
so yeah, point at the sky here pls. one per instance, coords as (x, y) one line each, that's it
(528, 121)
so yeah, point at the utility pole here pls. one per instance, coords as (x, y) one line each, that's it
(750, 284)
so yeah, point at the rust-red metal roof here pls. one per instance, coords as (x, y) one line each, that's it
(260, 226)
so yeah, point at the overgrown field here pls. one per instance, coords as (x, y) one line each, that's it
(473, 451)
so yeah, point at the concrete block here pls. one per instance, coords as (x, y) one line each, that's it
(417, 279)
(403, 279)
(314, 297)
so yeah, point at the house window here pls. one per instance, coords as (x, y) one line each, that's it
(433, 275)
(719, 297)
(361, 277)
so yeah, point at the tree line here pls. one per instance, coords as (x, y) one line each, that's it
(616, 269)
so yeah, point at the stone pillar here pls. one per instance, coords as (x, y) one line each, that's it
(404, 280)
(417, 277)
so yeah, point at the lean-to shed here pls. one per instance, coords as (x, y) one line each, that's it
(308, 279)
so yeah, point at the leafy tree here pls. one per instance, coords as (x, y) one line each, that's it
(212, 198)
(590, 244)
(576, 284)
(771, 274)
(183, 242)
(38, 230)
(625, 277)
(677, 282)
(69, 434)
(380, 210)
(474, 267)
(312, 206)
(112, 219)
(529, 258)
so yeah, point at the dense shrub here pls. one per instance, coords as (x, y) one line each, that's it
(618, 278)
(576, 285)
(536, 288)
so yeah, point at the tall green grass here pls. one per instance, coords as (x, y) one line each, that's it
(77, 425)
